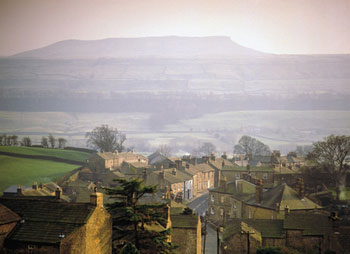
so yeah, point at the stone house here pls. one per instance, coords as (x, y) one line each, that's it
(227, 200)
(178, 182)
(158, 161)
(186, 233)
(134, 169)
(308, 233)
(251, 174)
(113, 160)
(273, 203)
(53, 226)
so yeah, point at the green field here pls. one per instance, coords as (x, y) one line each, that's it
(14, 171)
(59, 153)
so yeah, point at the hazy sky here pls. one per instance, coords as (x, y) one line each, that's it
(278, 26)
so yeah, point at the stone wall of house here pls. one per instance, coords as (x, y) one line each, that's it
(93, 238)
(254, 212)
(307, 244)
(238, 244)
(274, 242)
(99, 232)
(188, 240)
(220, 205)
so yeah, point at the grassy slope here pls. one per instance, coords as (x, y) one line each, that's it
(14, 171)
(64, 154)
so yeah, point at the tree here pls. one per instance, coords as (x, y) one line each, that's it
(52, 141)
(61, 143)
(251, 146)
(331, 154)
(132, 220)
(44, 142)
(14, 139)
(206, 149)
(165, 150)
(26, 141)
(106, 139)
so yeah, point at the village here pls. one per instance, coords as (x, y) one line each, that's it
(245, 203)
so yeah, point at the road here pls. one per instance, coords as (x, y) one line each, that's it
(200, 206)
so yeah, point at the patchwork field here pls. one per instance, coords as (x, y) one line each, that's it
(59, 153)
(14, 171)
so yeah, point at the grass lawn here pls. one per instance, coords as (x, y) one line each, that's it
(59, 153)
(14, 171)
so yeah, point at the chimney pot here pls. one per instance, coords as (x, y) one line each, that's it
(19, 190)
(58, 193)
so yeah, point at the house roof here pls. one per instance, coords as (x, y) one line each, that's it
(266, 159)
(184, 221)
(171, 178)
(311, 224)
(219, 162)
(156, 157)
(44, 220)
(245, 193)
(285, 196)
(7, 216)
(267, 228)
(252, 169)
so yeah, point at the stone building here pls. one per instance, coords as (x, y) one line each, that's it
(186, 233)
(227, 200)
(311, 233)
(178, 182)
(53, 226)
(8, 220)
(113, 160)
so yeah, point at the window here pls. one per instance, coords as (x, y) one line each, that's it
(212, 210)
(238, 176)
(222, 199)
(249, 213)
(221, 211)
(272, 215)
(234, 204)
(265, 176)
(212, 198)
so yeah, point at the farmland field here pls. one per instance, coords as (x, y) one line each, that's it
(14, 171)
(63, 154)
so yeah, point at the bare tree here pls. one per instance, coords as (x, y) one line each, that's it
(106, 139)
(61, 143)
(26, 141)
(331, 154)
(14, 140)
(52, 141)
(206, 149)
(165, 150)
(44, 142)
(251, 146)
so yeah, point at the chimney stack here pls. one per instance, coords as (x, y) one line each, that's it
(224, 156)
(35, 186)
(194, 161)
(58, 193)
(96, 198)
(19, 190)
(259, 192)
(212, 156)
(178, 164)
(174, 171)
(205, 159)
(187, 165)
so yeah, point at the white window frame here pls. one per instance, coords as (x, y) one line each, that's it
(212, 211)
(265, 176)
(212, 198)
(238, 175)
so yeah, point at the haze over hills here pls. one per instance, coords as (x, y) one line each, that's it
(157, 47)
(177, 85)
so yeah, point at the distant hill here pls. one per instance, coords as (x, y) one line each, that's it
(154, 47)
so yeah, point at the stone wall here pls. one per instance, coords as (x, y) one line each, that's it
(188, 240)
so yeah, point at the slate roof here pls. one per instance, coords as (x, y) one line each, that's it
(7, 216)
(267, 228)
(252, 169)
(156, 157)
(248, 190)
(42, 221)
(311, 224)
(268, 159)
(285, 196)
(217, 163)
(171, 178)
